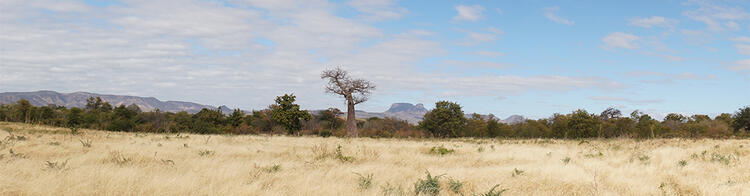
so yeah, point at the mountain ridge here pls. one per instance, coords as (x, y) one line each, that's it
(413, 113)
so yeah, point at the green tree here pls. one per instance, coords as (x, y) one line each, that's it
(288, 114)
(446, 120)
(207, 121)
(23, 110)
(741, 120)
(124, 118)
(236, 118)
(74, 117)
(583, 125)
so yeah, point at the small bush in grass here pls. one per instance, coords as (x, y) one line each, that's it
(53, 143)
(365, 181)
(566, 160)
(389, 190)
(716, 157)
(56, 165)
(440, 150)
(429, 185)
(272, 168)
(16, 155)
(86, 143)
(204, 153)
(325, 133)
(74, 130)
(455, 185)
(517, 172)
(682, 163)
(341, 157)
(117, 158)
(492, 192)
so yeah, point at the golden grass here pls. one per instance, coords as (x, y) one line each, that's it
(51, 161)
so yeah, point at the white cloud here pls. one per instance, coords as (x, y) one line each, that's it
(743, 48)
(654, 21)
(488, 53)
(712, 14)
(469, 13)
(620, 40)
(551, 14)
(474, 38)
(476, 64)
(379, 9)
(741, 65)
(627, 100)
(179, 50)
(741, 39)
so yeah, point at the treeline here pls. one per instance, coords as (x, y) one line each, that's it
(446, 120)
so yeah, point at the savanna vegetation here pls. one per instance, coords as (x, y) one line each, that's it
(446, 120)
(44, 160)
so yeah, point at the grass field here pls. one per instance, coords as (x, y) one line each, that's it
(40, 160)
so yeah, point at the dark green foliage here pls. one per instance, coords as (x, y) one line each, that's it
(440, 150)
(741, 120)
(288, 114)
(446, 120)
(428, 186)
(492, 192)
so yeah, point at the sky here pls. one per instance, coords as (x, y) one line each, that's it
(531, 58)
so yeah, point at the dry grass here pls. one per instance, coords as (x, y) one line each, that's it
(51, 161)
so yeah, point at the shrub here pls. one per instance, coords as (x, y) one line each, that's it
(365, 181)
(566, 160)
(55, 165)
(455, 185)
(86, 143)
(325, 133)
(440, 150)
(204, 153)
(492, 192)
(272, 168)
(341, 157)
(430, 185)
(389, 189)
(517, 172)
(117, 158)
(682, 163)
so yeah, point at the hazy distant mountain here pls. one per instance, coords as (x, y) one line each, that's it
(78, 99)
(415, 113)
(405, 111)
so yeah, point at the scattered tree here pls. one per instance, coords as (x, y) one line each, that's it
(446, 120)
(288, 114)
(355, 91)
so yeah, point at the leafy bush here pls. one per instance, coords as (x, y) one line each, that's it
(429, 186)
(492, 192)
(440, 150)
(365, 181)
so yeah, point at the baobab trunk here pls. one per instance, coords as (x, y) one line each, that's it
(351, 120)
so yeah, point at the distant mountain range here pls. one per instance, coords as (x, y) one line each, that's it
(415, 113)
(406, 111)
(78, 99)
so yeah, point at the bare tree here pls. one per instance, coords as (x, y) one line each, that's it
(355, 91)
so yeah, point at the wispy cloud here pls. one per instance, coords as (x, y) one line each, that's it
(551, 14)
(654, 21)
(627, 100)
(378, 9)
(469, 13)
(620, 40)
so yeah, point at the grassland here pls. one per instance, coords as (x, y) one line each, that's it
(39, 160)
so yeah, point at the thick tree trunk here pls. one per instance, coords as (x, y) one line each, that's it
(351, 120)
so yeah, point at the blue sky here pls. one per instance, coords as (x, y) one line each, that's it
(533, 58)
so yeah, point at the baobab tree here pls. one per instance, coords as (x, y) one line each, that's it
(355, 91)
